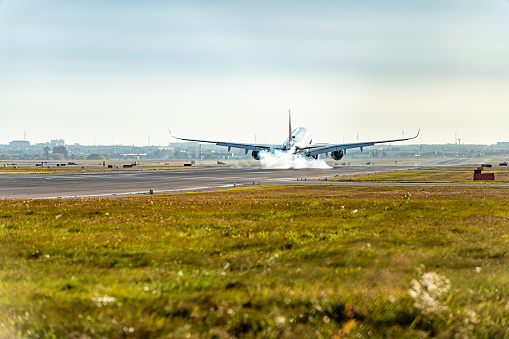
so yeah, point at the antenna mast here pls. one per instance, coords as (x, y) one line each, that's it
(290, 139)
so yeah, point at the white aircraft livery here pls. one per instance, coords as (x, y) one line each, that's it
(298, 142)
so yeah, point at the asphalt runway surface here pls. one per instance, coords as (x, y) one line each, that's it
(125, 183)
(122, 183)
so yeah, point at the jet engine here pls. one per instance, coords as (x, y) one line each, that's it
(336, 155)
(256, 155)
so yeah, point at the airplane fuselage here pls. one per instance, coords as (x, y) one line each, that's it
(301, 138)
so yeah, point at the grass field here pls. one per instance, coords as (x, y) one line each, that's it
(93, 167)
(429, 176)
(274, 262)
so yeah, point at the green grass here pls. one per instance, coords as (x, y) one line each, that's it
(468, 168)
(90, 167)
(428, 176)
(280, 262)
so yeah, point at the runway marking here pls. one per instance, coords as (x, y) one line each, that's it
(215, 178)
(141, 192)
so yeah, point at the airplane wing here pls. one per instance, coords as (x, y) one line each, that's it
(320, 149)
(247, 147)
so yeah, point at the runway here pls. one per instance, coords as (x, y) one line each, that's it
(125, 183)
(122, 183)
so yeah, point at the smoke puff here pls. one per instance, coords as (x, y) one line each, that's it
(287, 160)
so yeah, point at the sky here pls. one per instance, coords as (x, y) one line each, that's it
(124, 72)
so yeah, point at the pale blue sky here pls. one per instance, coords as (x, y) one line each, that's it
(123, 70)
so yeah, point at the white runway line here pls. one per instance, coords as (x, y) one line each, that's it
(146, 192)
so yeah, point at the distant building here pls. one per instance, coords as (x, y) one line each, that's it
(19, 144)
(57, 142)
(502, 145)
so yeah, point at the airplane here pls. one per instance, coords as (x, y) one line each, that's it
(298, 142)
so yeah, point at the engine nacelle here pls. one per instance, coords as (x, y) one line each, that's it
(256, 155)
(336, 155)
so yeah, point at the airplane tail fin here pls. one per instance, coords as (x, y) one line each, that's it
(290, 139)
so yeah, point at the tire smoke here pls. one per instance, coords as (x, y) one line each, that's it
(287, 160)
